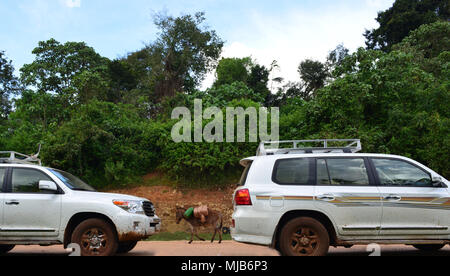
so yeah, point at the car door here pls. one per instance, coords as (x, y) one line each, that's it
(2, 188)
(346, 192)
(28, 211)
(412, 206)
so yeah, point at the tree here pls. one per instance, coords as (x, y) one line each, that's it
(403, 17)
(73, 71)
(181, 56)
(336, 57)
(9, 85)
(314, 75)
(230, 70)
(258, 82)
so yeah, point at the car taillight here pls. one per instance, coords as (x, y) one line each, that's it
(242, 198)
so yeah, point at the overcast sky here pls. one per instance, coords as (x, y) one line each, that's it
(288, 31)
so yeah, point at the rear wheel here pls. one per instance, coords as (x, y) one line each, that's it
(429, 247)
(304, 236)
(125, 247)
(96, 237)
(5, 248)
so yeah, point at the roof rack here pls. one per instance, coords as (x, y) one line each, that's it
(299, 146)
(13, 157)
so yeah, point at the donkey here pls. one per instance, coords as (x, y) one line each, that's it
(214, 220)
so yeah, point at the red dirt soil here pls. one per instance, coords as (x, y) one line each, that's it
(166, 199)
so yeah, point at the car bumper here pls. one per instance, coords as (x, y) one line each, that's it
(137, 227)
(253, 227)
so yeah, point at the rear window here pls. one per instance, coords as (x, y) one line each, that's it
(244, 176)
(292, 172)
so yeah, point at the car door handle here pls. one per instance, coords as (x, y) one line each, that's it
(393, 198)
(13, 202)
(326, 197)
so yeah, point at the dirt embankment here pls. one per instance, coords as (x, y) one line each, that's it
(166, 199)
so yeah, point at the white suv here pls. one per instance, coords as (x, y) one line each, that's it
(301, 200)
(44, 206)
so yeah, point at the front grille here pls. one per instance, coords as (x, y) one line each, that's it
(149, 209)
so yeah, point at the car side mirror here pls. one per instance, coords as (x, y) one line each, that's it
(437, 182)
(45, 185)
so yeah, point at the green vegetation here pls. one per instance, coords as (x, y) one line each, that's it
(108, 121)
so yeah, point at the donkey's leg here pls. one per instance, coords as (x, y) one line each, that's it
(214, 236)
(220, 228)
(192, 235)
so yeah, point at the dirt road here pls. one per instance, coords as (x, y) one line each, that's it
(228, 248)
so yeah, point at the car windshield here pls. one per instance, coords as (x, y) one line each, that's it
(71, 181)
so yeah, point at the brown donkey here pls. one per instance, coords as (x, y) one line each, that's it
(214, 220)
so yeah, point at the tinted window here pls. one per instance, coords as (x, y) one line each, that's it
(2, 178)
(292, 171)
(72, 181)
(342, 172)
(27, 181)
(400, 173)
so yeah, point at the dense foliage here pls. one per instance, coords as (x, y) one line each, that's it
(109, 121)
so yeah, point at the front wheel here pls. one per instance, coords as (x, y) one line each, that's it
(5, 248)
(429, 247)
(96, 237)
(304, 237)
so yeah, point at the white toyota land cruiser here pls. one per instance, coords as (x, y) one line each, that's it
(44, 206)
(301, 200)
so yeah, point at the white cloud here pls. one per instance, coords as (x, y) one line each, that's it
(379, 4)
(73, 3)
(301, 34)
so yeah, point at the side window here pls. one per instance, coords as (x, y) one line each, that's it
(2, 178)
(244, 176)
(292, 172)
(26, 181)
(400, 173)
(342, 172)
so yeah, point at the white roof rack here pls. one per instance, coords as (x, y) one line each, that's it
(310, 146)
(13, 157)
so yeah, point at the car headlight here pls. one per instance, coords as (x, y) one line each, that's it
(131, 206)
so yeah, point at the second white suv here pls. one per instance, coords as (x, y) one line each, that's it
(301, 200)
(44, 206)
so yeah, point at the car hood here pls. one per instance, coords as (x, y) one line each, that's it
(106, 196)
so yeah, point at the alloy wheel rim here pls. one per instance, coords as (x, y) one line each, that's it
(304, 241)
(94, 241)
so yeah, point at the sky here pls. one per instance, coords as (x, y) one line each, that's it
(288, 31)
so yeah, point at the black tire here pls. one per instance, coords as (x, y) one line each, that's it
(96, 237)
(5, 248)
(429, 247)
(304, 236)
(125, 247)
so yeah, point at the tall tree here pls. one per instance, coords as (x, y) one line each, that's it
(230, 70)
(313, 74)
(181, 56)
(73, 71)
(403, 17)
(8, 85)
